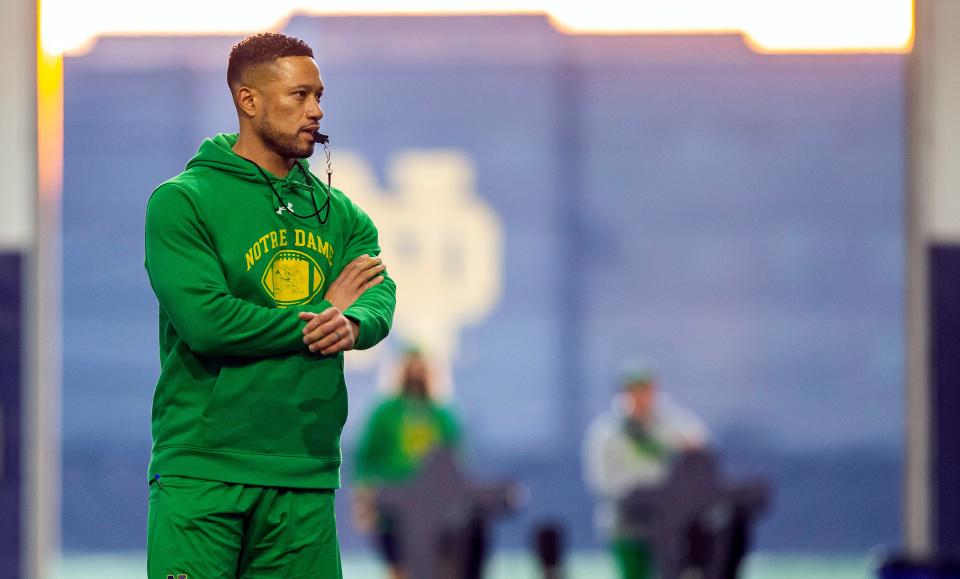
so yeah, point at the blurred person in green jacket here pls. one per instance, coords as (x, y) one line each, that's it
(401, 432)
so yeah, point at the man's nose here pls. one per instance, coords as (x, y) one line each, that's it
(315, 112)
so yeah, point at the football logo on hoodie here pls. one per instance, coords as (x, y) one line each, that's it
(292, 277)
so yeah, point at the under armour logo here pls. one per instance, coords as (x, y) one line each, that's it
(280, 210)
(181, 576)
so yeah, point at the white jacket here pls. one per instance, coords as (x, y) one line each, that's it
(613, 466)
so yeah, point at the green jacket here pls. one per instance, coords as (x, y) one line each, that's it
(400, 433)
(240, 398)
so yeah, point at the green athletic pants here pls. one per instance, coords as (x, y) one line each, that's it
(634, 558)
(200, 529)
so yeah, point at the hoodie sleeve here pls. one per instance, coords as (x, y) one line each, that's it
(373, 310)
(187, 277)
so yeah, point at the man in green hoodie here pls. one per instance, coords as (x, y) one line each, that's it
(264, 276)
(400, 434)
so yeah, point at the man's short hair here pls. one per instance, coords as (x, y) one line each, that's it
(259, 49)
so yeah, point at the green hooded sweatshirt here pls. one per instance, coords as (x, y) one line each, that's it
(240, 398)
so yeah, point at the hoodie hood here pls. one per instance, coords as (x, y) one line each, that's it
(217, 153)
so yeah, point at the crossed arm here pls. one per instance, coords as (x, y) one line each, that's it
(187, 277)
(331, 331)
(363, 296)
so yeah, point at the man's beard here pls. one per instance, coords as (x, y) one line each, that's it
(287, 146)
(416, 388)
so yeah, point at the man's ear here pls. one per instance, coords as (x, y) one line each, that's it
(248, 101)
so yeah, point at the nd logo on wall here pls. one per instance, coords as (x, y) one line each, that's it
(442, 243)
(292, 277)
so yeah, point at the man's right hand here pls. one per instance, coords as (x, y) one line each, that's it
(360, 275)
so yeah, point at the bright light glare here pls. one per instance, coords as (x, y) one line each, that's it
(769, 25)
(831, 25)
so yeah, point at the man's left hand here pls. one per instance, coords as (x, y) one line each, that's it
(329, 332)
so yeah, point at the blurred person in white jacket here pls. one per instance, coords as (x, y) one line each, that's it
(629, 447)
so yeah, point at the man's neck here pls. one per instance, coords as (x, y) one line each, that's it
(255, 150)
(643, 419)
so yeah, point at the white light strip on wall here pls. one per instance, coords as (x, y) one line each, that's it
(18, 121)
